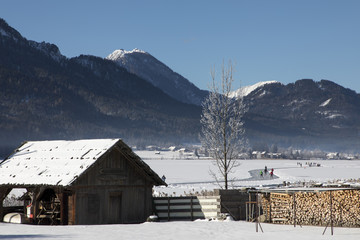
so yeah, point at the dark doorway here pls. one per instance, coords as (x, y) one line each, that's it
(115, 203)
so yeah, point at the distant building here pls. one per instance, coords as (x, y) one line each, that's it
(259, 154)
(275, 155)
(80, 182)
(333, 155)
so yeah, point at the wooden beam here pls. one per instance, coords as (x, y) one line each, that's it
(64, 208)
(294, 204)
(3, 193)
(110, 186)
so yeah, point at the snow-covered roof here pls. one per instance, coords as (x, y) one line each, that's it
(52, 162)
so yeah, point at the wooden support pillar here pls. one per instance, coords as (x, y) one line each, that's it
(64, 209)
(331, 213)
(294, 205)
(257, 213)
(3, 193)
(192, 208)
(269, 207)
(168, 208)
(71, 208)
(249, 208)
(246, 212)
(146, 205)
(37, 193)
(331, 217)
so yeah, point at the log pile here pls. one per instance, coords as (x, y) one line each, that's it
(342, 207)
(277, 207)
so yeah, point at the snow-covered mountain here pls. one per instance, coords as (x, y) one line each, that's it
(11, 36)
(157, 73)
(47, 48)
(45, 95)
(305, 113)
(132, 95)
(244, 91)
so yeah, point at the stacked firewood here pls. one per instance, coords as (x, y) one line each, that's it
(342, 208)
(277, 207)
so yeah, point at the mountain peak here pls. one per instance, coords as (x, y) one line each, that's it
(119, 53)
(49, 49)
(8, 32)
(147, 67)
(244, 91)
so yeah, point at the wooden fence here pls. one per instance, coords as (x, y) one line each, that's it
(234, 202)
(231, 202)
(187, 208)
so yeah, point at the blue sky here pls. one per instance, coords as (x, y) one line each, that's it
(283, 40)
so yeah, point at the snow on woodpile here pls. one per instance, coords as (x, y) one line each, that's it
(52, 162)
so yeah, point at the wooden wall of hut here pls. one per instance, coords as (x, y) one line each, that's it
(114, 190)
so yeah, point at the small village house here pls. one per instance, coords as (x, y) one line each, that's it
(98, 181)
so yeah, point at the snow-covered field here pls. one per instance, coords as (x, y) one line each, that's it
(187, 174)
(184, 175)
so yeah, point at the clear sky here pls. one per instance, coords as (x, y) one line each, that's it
(283, 40)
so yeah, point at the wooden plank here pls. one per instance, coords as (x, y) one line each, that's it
(180, 214)
(209, 201)
(175, 208)
(176, 202)
(174, 198)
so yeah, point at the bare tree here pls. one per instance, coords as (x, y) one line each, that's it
(222, 124)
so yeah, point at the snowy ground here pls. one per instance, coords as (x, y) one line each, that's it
(186, 176)
(185, 173)
(174, 230)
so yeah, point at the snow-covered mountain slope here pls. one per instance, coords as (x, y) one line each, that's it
(120, 53)
(92, 97)
(11, 36)
(49, 49)
(245, 91)
(157, 73)
(47, 96)
(8, 32)
(319, 113)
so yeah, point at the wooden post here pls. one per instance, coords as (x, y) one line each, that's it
(37, 193)
(64, 210)
(192, 210)
(249, 216)
(246, 211)
(294, 204)
(3, 193)
(270, 207)
(331, 215)
(256, 214)
(74, 207)
(331, 218)
(1, 209)
(168, 209)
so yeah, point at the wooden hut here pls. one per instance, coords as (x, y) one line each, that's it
(98, 181)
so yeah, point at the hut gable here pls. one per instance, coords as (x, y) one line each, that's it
(61, 163)
(118, 166)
